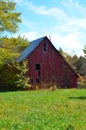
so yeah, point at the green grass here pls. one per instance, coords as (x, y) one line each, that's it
(43, 110)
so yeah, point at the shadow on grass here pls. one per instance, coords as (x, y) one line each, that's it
(1, 91)
(8, 89)
(81, 98)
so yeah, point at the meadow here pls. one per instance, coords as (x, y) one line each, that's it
(63, 109)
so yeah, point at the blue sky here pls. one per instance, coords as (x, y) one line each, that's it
(63, 20)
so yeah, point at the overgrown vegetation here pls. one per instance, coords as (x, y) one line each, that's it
(22, 82)
(43, 110)
(13, 76)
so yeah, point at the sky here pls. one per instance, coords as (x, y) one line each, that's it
(63, 21)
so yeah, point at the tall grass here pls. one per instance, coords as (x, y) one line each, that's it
(43, 110)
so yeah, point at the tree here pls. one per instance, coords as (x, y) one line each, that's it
(11, 73)
(81, 66)
(70, 59)
(84, 50)
(9, 18)
(9, 69)
(11, 48)
(66, 56)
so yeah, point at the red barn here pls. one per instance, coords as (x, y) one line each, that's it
(47, 65)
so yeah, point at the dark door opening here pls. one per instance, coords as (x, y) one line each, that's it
(37, 80)
(37, 67)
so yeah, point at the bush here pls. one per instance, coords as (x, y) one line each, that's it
(22, 82)
(13, 76)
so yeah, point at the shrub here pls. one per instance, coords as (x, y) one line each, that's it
(13, 76)
(22, 82)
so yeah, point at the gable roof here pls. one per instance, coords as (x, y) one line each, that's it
(30, 48)
(33, 45)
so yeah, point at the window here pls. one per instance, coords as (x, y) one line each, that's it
(45, 47)
(37, 66)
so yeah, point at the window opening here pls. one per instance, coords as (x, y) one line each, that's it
(45, 47)
(37, 66)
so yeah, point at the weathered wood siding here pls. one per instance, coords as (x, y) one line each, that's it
(53, 68)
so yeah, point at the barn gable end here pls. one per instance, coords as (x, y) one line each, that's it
(47, 65)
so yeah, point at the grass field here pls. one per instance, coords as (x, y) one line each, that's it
(43, 110)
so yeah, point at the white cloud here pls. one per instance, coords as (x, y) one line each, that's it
(73, 5)
(44, 10)
(27, 24)
(68, 43)
(72, 25)
(68, 3)
(78, 22)
(81, 9)
(54, 12)
(30, 35)
(39, 10)
(19, 1)
(66, 22)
